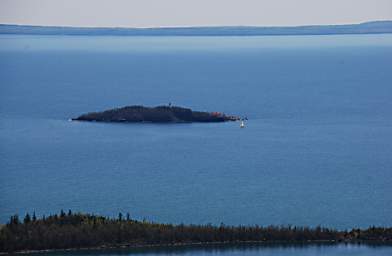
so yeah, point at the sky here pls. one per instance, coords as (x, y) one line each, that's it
(175, 13)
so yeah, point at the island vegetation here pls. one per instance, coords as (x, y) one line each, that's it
(77, 230)
(160, 114)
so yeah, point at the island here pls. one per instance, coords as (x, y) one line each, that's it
(78, 230)
(159, 114)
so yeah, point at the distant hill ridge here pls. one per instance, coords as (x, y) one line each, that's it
(373, 27)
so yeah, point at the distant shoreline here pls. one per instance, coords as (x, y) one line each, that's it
(372, 27)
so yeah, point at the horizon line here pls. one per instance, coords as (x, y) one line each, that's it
(187, 27)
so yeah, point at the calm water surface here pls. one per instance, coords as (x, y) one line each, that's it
(317, 149)
(245, 250)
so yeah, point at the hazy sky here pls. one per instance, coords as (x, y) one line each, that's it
(153, 13)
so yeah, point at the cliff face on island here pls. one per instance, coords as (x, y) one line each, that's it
(160, 114)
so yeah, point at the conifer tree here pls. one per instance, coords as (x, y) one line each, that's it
(27, 219)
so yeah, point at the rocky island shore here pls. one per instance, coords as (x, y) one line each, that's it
(159, 114)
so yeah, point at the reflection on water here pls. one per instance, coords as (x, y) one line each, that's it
(242, 249)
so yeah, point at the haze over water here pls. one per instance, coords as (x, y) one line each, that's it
(317, 149)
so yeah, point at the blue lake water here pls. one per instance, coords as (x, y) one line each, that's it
(317, 149)
(243, 250)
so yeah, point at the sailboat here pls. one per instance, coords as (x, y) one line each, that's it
(242, 125)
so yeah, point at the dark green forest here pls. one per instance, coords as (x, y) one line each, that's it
(77, 230)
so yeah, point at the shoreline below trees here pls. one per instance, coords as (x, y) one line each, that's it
(72, 232)
(200, 245)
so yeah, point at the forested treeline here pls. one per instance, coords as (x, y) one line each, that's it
(77, 230)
